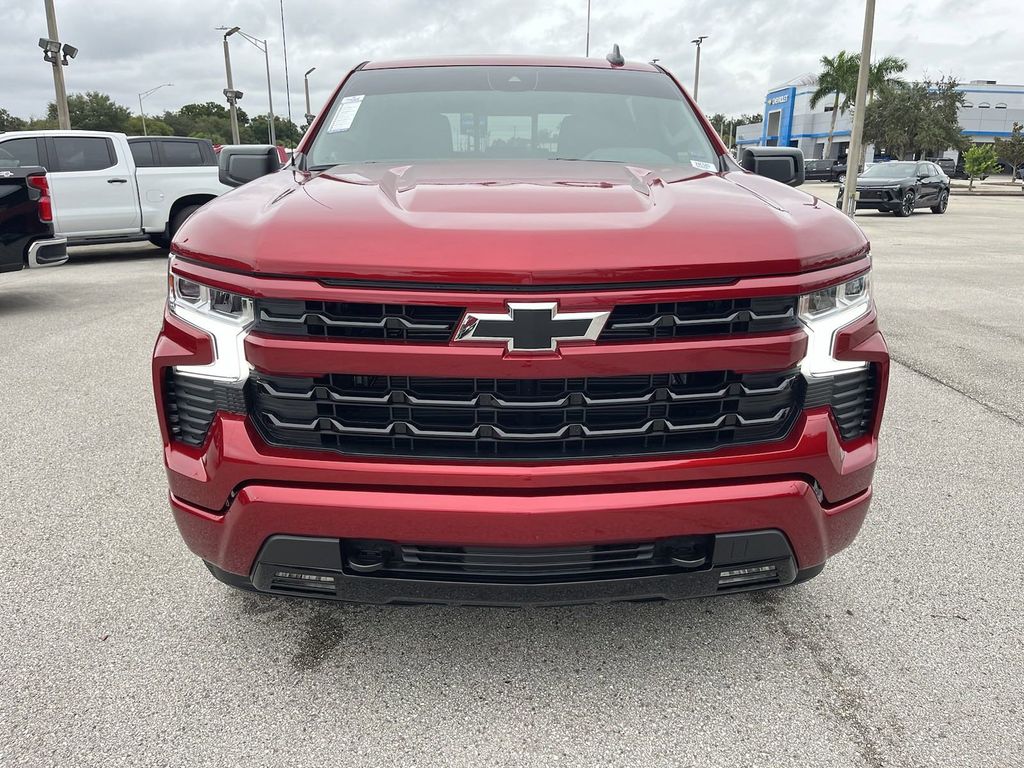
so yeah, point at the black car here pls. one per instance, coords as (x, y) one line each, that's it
(825, 170)
(902, 186)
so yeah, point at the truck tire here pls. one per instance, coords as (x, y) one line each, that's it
(161, 240)
(178, 220)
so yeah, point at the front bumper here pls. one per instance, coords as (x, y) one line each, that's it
(317, 567)
(234, 493)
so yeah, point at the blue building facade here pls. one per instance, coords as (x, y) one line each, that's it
(990, 110)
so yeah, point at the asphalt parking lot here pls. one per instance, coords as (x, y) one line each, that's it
(117, 647)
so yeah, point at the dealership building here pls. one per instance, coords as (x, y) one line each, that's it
(990, 110)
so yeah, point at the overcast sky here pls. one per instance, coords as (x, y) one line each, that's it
(127, 46)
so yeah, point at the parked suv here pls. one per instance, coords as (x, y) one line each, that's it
(901, 187)
(517, 330)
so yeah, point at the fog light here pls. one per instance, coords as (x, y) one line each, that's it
(297, 581)
(753, 573)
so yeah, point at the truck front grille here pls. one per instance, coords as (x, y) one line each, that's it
(350, 320)
(425, 323)
(525, 418)
(700, 318)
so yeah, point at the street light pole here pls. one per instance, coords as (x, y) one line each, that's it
(860, 107)
(230, 93)
(696, 70)
(287, 85)
(588, 29)
(63, 114)
(309, 112)
(262, 46)
(142, 111)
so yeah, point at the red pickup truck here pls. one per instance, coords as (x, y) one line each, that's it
(517, 331)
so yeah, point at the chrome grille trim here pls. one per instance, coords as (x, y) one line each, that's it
(489, 400)
(489, 430)
(384, 322)
(743, 314)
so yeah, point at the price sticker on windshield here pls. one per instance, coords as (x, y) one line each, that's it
(346, 113)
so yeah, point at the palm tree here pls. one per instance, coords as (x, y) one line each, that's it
(838, 78)
(837, 73)
(884, 73)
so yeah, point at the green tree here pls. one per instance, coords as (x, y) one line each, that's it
(209, 120)
(93, 111)
(286, 132)
(838, 79)
(153, 127)
(1011, 150)
(980, 160)
(916, 117)
(9, 122)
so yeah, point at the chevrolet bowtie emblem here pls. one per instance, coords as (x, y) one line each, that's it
(536, 327)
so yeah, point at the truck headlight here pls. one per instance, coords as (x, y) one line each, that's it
(226, 317)
(822, 314)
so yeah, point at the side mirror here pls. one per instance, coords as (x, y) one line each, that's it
(783, 164)
(240, 165)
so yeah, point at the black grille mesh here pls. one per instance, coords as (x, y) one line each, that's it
(525, 419)
(423, 323)
(639, 322)
(852, 398)
(191, 404)
(349, 320)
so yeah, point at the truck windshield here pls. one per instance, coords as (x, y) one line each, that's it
(510, 112)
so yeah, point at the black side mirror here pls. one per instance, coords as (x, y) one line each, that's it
(240, 165)
(783, 164)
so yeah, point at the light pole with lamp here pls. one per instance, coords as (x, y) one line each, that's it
(309, 112)
(142, 111)
(262, 46)
(230, 93)
(696, 70)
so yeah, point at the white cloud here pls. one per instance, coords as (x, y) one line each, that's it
(129, 46)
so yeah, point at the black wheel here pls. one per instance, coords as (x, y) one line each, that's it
(841, 178)
(907, 204)
(160, 241)
(943, 203)
(179, 219)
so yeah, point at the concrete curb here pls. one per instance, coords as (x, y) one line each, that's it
(988, 192)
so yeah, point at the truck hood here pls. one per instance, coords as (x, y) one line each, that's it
(518, 223)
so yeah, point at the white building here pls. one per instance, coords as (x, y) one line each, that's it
(990, 111)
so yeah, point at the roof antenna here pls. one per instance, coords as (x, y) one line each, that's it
(615, 58)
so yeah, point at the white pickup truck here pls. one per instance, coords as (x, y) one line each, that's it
(113, 188)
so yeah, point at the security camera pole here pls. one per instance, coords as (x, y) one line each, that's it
(63, 115)
(262, 46)
(696, 69)
(230, 93)
(860, 107)
(305, 80)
